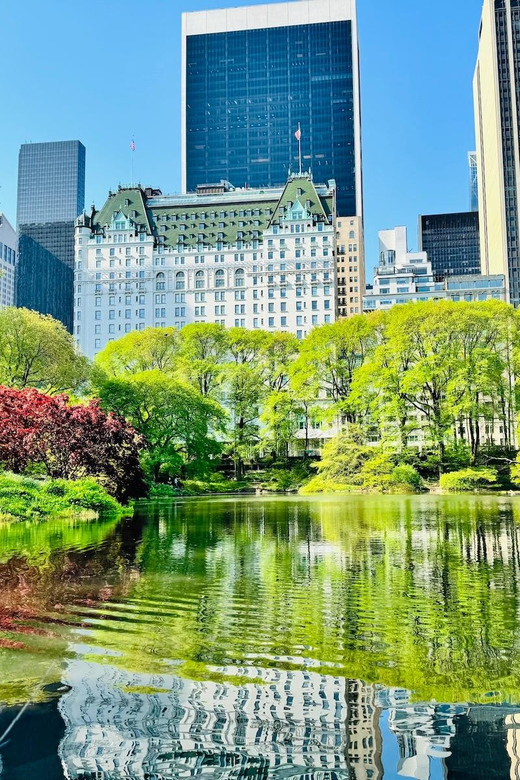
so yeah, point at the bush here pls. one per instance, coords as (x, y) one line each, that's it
(376, 473)
(406, 477)
(22, 498)
(321, 484)
(469, 479)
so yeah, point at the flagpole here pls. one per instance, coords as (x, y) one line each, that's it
(300, 147)
(132, 150)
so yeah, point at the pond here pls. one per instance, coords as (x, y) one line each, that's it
(331, 638)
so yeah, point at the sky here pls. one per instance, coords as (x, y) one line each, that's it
(105, 72)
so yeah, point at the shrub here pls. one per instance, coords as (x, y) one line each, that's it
(515, 471)
(343, 456)
(377, 471)
(25, 498)
(469, 479)
(45, 433)
(321, 484)
(406, 477)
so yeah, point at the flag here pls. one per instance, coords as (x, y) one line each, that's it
(298, 134)
(132, 145)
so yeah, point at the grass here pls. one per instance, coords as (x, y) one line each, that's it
(24, 498)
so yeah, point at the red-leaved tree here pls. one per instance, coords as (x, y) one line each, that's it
(70, 441)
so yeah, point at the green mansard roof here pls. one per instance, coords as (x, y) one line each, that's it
(209, 219)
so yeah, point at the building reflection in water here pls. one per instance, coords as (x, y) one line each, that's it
(285, 724)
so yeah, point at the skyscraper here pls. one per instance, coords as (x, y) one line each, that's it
(51, 194)
(496, 93)
(252, 76)
(451, 242)
(51, 182)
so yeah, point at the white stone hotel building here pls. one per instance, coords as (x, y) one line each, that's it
(237, 257)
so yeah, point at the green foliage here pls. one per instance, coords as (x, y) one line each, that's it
(178, 424)
(348, 465)
(140, 350)
(320, 484)
(469, 479)
(26, 498)
(283, 480)
(196, 487)
(515, 471)
(344, 456)
(407, 477)
(37, 351)
(376, 473)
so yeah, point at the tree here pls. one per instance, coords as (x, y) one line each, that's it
(245, 391)
(280, 350)
(69, 441)
(330, 356)
(141, 350)
(37, 351)
(179, 426)
(280, 415)
(203, 348)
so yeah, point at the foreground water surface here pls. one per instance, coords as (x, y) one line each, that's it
(264, 638)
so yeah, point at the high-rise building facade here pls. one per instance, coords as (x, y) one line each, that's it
(51, 194)
(51, 182)
(451, 242)
(497, 104)
(252, 76)
(259, 259)
(350, 266)
(8, 261)
(473, 181)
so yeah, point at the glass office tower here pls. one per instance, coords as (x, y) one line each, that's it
(252, 75)
(451, 242)
(51, 182)
(51, 194)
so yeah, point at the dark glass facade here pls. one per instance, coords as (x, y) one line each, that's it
(43, 283)
(451, 242)
(51, 194)
(51, 182)
(246, 92)
(55, 237)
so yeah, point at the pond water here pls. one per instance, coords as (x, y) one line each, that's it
(264, 638)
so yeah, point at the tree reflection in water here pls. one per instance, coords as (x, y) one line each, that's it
(229, 638)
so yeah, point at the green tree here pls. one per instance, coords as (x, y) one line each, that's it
(141, 350)
(280, 351)
(37, 351)
(281, 415)
(203, 348)
(330, 356)
(245, 390)
(180, 427)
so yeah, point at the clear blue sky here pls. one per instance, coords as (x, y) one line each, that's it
(103, 72)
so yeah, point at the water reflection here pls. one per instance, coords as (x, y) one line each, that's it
(354, 637)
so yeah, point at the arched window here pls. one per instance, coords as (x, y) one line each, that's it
(219, 278)
(351, 234)
(160, 284)
(239, 277)
(199, 280)
(180, 280)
